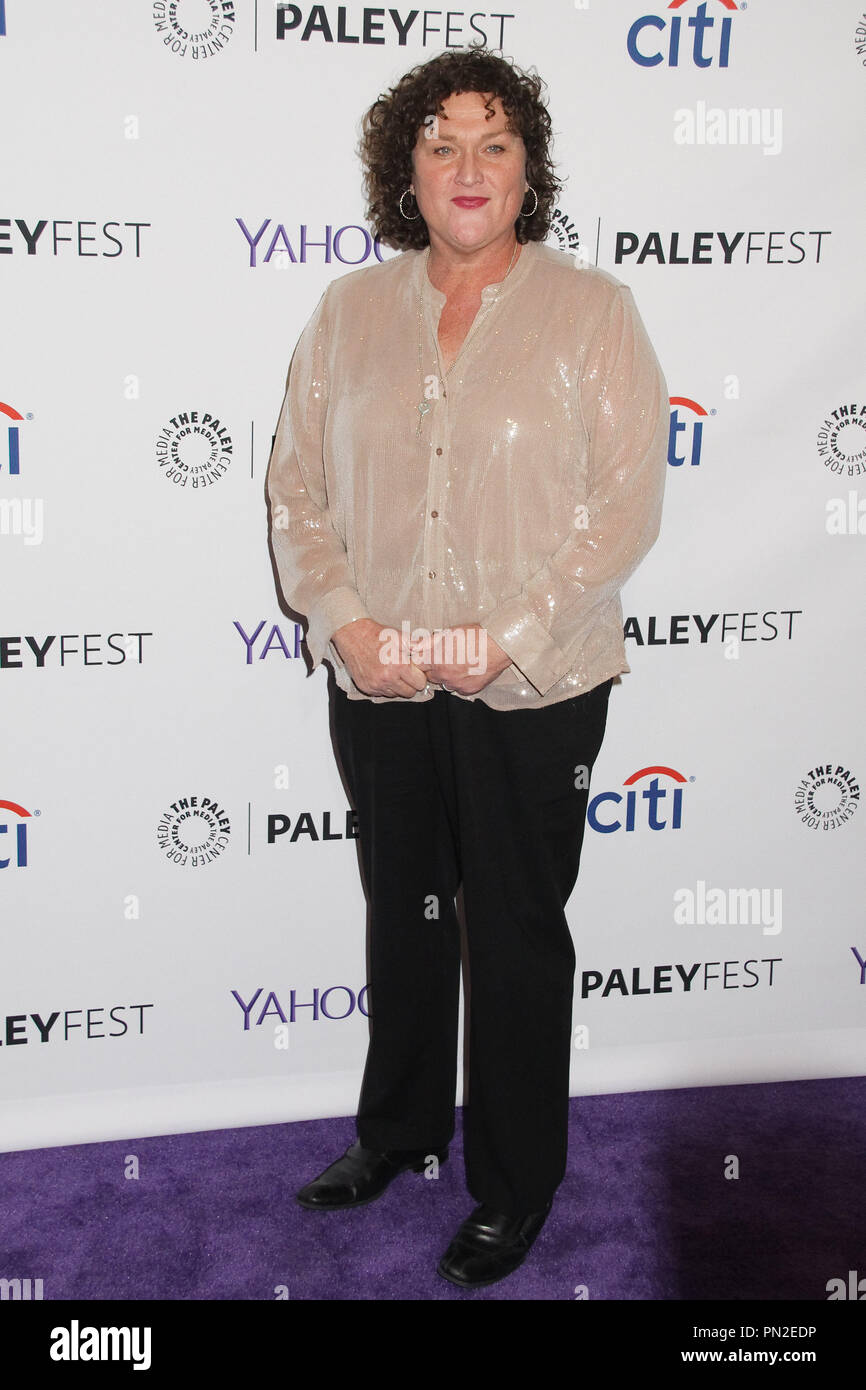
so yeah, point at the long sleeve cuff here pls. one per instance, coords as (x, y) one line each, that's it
(328, 615)
(531, 648)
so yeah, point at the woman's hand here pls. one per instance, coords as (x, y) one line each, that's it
(371, 661)
(463, 677)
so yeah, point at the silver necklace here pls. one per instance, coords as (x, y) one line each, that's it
(424, 405)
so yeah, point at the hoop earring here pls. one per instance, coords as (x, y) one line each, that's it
(400, 205)
(535, 209)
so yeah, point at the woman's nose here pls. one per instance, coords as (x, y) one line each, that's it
(467, 169)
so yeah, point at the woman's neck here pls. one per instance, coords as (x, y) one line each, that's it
(455, 274)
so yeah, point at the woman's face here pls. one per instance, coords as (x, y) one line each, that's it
(469, 176)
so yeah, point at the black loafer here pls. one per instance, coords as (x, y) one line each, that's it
(489, 1245)
(362, 1175)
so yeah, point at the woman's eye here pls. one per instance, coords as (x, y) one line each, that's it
(438, 149)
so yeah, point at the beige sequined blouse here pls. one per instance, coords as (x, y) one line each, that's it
(521, 497)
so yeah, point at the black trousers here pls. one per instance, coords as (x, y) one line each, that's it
(451, 791)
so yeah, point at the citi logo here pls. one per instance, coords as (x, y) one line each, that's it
(654, 39)
(13, 454)
(691, 429)
(661, 807)
(16, 844)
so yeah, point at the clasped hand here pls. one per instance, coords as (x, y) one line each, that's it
(375, 670)
(464, 677)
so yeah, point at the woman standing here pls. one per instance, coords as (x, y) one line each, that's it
(469, 464)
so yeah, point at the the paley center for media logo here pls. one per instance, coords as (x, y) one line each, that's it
(193, 830)
(211, 26)
(194, 449)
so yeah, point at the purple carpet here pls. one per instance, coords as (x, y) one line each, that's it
(645, 1211)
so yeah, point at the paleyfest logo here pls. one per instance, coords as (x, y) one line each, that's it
(194, 29)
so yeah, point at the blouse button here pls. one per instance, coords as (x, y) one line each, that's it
(434, 513)
(439, 451)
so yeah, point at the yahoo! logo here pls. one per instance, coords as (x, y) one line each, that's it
(679, 427)
(653, 795)
(275, 242)
(18, 857)
(274, 640)
(345, 1004)
(647, 54)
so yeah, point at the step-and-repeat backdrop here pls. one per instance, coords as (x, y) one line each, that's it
(183, 922)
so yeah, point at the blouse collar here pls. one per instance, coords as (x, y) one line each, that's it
(499, 290)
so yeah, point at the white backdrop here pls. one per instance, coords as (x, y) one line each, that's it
(144, 655)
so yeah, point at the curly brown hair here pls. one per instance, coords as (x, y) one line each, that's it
(390, 129)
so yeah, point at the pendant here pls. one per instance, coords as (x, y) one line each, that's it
(423, 407)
